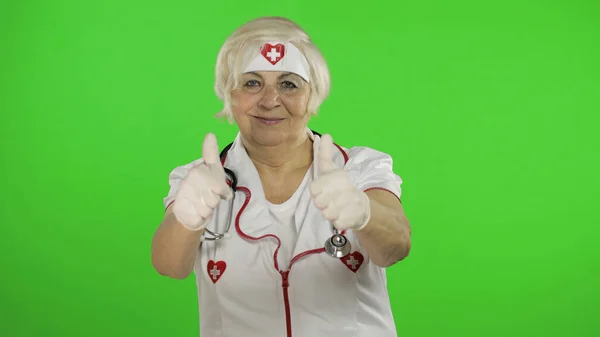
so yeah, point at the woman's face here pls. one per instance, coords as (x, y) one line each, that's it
(270, 107)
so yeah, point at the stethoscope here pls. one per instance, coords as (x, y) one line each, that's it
(336, 246)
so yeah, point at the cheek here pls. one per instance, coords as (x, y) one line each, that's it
(241, 104)
(297, 105)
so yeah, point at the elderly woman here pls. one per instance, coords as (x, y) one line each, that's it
(288, 234)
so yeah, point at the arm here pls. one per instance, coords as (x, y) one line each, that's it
(386, 237)
(376, 215)
(174, 248)
(196, 190)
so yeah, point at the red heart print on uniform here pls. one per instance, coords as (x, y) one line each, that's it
(273, 53)
(353, 261)
(216, 270)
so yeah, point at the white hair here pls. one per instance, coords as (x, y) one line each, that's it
(240, 46)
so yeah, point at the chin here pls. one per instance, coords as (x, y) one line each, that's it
(268, 138)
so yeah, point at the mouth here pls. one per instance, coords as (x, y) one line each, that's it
(269, 120)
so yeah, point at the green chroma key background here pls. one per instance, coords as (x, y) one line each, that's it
(490, 111)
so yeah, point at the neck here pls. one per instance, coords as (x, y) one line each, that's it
(282, 158)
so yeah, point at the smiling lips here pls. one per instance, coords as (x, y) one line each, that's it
(269, 121)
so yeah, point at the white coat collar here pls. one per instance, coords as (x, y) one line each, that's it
(237, 160)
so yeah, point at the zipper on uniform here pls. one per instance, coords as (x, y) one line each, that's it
(286, 300)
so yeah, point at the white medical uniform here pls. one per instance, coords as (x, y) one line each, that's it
(245, 290)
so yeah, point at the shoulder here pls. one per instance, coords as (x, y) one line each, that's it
(179, 172)
(362, 159)
(176, 175)
(372, 169)
(359, 155)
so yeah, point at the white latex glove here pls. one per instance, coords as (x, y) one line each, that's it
(333, 193)
(202, 189)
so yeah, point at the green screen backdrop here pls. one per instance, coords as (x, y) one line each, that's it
(489, 109)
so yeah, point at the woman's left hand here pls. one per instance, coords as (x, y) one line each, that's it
(333, 193)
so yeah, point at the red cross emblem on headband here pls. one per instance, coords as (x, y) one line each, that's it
(273, 53)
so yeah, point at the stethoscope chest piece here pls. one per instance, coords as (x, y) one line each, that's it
(337, 245)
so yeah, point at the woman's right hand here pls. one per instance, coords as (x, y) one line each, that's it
(202, 189)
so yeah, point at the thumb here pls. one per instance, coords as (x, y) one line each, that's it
(210, 150)
(210, 154)
(325, 155)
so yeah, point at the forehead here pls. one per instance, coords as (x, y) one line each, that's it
(272, 74)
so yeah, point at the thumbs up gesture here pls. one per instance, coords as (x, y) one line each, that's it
(202, 189)
(333, 193)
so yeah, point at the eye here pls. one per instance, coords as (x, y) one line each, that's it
(288, 85)
(251, 84)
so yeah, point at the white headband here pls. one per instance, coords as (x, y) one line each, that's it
(277, 56)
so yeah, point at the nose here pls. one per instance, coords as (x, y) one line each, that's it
(270, 98)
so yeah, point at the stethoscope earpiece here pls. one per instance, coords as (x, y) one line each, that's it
(337, 245)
